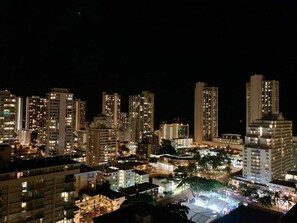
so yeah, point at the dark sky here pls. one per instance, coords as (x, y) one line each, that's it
(90, 46)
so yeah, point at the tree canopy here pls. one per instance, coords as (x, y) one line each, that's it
(139, 198)
(199, 184)
(178, 209)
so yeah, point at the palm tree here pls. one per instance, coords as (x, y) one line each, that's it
(276, 199)
(178, 209)
(266, 201)
(287, 201)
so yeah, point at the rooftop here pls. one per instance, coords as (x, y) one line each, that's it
(247, 214)
(128, 214)
(21, 165)
(138, 188)
(284, 183)
(105, 192)
(139, 172)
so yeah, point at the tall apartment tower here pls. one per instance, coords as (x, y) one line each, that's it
(262, 96)
(79, 114)
(38, 190)
(7, 117)
(19, 113)
(59, 122)
(268, 149)
(141, 116)
(101, 141)
(205, 112)
(111, 106)
(36, 118)
(123, 127)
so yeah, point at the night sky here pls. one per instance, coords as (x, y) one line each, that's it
(91, 46)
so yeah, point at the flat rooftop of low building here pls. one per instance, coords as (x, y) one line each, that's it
(105, 169)
(128, 214)
(124, 166)
(85, 168)
(105, 192)
(37, 163)
(247, 214)
(138, 188)
(139, 172)
(284, 183)
(292, 173)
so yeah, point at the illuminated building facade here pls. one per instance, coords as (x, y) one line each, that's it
(205, 112)
(7, 117)
(101, 141)
(141, 116)
(36, 117)
(111, 106)
(268, 149)
(262, 96)
(38, 190)
(174, 131)
(59, 122)
(79, 114)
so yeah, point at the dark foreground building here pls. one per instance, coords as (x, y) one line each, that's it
(138, 213)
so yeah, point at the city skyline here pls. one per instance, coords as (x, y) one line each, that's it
(184, 109)
(166, 48)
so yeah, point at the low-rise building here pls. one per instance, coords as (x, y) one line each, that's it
(144, 188)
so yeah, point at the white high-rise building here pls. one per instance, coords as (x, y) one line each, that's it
(262, 96)
(141, 116)
(268, 149)
(205, 112)
(59, 122)
(7, 117)
(111, 106)
(19, 113)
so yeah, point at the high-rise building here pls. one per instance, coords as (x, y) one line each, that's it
(59, 122)
(262, 96)
(101, 141)
(38, 190)
(268, 149)
(295, 153)
(205, 112)
(123, 127)
(174, 131)
(141, 116)
(7, 117)
(19, 113)
(36, 117)
(79, 114)
(111, 106)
